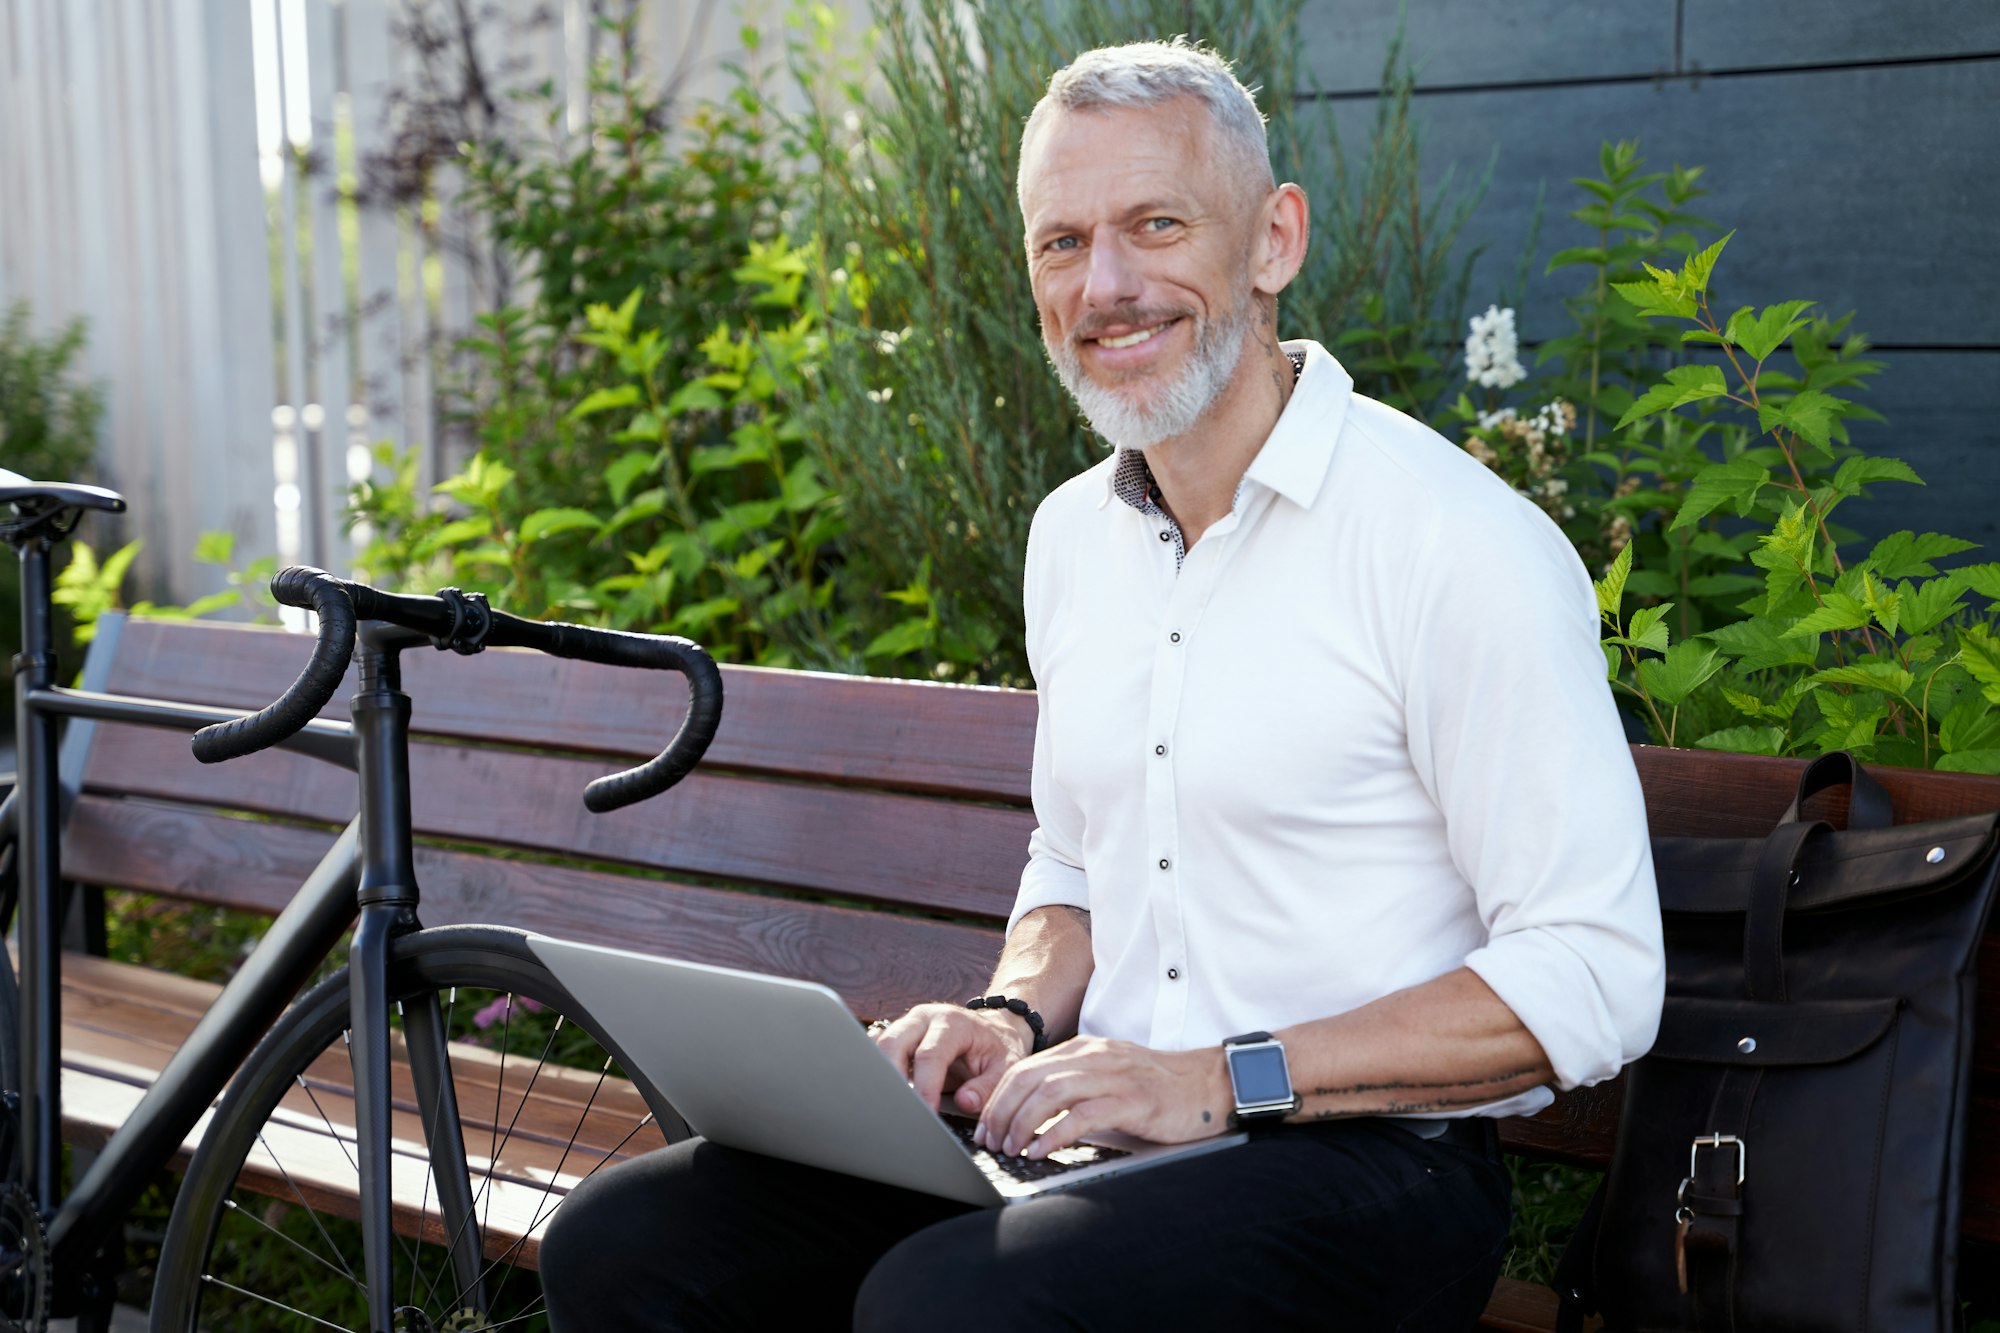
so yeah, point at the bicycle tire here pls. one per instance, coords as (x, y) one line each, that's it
(241, 1191)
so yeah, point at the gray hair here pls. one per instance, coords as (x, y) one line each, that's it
(1145, 74)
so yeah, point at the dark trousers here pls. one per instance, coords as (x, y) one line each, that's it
(1352, 1224)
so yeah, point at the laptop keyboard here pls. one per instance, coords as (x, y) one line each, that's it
(1030, 1169)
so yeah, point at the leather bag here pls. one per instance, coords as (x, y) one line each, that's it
(1790, 1151)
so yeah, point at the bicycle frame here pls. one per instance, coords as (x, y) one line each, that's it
(381, 882)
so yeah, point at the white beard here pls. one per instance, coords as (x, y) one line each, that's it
(1178, 404)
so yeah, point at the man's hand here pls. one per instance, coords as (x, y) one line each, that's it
(1096, 1084)
(947, 1047)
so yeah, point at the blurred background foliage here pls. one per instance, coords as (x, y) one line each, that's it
(772, 374)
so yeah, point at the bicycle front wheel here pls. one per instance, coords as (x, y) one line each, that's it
(263, 1234)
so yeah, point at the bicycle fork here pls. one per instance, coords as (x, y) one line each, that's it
(388, 901)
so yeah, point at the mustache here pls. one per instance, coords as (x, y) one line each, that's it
(1129, 317)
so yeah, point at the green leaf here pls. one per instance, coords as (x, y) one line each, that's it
(802, 488)
(1745, 740)
(1971, 724)
(1979, 654)
(1929, 604)
(1671, 679)
(1576, 254)
(691, 619)
(1857, 472)
(1611, 661)
(1836, 611)
(1808, 414)
(1696, 271)
(1611, 588)
(1736, 482)
(627, 469)
(1656, 297)
(545, 523)
(1648, 629)
(900, 640)
(1685, 384)
(215, 548)
(1767, 332)
(1884, 676)
(1970, 761)
(1901, 555)
(215, 601)
(603, 400)
(1757, 645)
(1982, 579)
(695, 397)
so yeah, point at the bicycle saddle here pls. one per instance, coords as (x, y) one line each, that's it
(16, 489)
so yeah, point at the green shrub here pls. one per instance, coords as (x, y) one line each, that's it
(49, 417)
(1882, 653)
(822, 446)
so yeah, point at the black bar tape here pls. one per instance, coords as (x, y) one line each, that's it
(313, 590)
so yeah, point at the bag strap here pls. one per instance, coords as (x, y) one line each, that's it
(1575, 1275)
(1867, 801)
(1764, 923)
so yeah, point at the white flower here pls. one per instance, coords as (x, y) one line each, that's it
(1488, 420)
(1492, 352)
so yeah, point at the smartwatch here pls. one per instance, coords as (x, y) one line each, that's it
(1261, 1079)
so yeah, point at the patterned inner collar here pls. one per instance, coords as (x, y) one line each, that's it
(1132, 481)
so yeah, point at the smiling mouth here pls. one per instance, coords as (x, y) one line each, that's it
(1134, 338)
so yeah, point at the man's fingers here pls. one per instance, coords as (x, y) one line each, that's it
(1085, 1118)
(931, 1064)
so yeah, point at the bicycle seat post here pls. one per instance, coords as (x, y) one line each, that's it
(388, 901)
(38, 810)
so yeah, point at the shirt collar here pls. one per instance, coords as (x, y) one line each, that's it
(1295, 457)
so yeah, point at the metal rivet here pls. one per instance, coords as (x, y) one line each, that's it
(1747, 1045)
(1796, 877)
(1934, 855)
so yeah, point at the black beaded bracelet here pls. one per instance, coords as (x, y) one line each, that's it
(1041, 1042)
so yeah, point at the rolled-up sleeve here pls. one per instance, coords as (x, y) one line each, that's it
(1513, 732)
(1054, 874)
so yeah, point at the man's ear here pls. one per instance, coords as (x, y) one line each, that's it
(1284, 225)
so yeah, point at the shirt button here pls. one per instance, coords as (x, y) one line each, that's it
(1173, 974)
(1159, 749)
(1175, 637)
(1166, 536)
(1163, 863)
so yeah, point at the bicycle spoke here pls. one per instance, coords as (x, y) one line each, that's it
(493, 1162)
(296, 1244)
(333, 1132)
(311, 1211)
(543, 1209)
(215, 1281)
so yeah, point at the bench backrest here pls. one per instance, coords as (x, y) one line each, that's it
(864, 833)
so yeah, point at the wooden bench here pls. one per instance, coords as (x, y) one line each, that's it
(864, 833)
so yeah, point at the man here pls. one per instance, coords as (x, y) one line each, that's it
(1325, 751)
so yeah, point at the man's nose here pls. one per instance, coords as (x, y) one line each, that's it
(1113, 278)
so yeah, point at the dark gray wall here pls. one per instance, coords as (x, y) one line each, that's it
(1850, 143)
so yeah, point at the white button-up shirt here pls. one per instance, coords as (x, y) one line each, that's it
(1360, 738)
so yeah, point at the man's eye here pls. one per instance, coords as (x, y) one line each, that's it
(1063, 243)
(1160, 224)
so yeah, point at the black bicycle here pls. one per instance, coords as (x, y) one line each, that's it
(295, 1212)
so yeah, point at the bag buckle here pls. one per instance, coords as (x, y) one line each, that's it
(1719, 1142)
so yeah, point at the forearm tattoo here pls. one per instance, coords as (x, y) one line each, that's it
(1418, 1097)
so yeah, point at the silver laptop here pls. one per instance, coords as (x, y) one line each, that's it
(781, 1067)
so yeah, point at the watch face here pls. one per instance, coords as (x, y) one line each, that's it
(1259, 1074)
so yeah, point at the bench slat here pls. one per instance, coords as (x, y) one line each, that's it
(972, 741)
(880, 963)
(121, 1035)
(915, 850)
